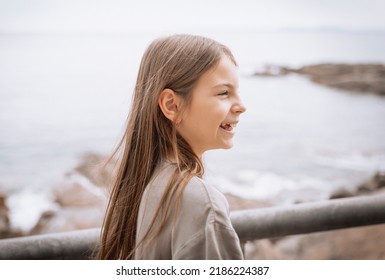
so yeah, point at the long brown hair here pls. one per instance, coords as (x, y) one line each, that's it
(175, 62)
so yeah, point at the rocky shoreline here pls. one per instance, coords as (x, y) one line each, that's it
(360, 78)
(359, 243)
(81, 201)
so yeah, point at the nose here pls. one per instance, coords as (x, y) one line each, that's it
(239, 107)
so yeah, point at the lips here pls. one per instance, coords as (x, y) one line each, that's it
(228, 126)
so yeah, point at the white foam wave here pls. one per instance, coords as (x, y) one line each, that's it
(26, 208)
(267, 185)
(353, 161)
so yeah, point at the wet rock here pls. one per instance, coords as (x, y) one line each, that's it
(70, 219)
(82, 197)
(362, 78)
(80, 208)
(376, 183)
(240, 203)
(97, 168)
(362, 243)
(341, 193)
(261, 250)
(78, 191)
(373, 185)
(4, 219)
(6, 230)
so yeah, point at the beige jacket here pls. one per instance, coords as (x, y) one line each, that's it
(201, 230)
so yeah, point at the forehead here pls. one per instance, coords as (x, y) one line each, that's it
(225, 72)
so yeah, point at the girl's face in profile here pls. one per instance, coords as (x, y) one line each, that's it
(209, 121)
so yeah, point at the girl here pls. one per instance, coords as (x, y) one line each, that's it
(185, 102)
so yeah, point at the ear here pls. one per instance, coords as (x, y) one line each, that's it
(169, 102)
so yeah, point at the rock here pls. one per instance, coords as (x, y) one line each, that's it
(363, 78)
(341, 193)
(69, 219)
(352, 77)
(6, 230)
(261, 250)
(240, 203)
(362, 243)
(82, 206)
(376, 183)
(82, 197)
(97, 168)
(4, 219)
(78, 191)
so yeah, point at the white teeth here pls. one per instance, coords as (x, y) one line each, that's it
(227, 126)
(232, 125)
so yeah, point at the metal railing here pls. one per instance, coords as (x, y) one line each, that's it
(249, 224)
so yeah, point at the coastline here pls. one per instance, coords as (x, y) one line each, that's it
(358, 78)
(80, 201)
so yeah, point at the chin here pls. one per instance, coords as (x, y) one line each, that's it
(222, 147)
(227, 146)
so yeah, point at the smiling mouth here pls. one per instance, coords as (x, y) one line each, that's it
(228, 126)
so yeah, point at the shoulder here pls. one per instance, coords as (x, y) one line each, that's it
(204, 229)
(199, 188)
(202, 197)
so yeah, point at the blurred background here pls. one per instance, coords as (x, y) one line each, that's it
(67, 70)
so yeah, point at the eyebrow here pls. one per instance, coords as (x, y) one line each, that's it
(224, 85)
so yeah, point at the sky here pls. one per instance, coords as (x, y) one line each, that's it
(139, 15)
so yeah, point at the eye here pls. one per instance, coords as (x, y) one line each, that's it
(223, 93)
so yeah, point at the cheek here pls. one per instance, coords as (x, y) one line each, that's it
(208, 113)
(220, 110)
(212, 114)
